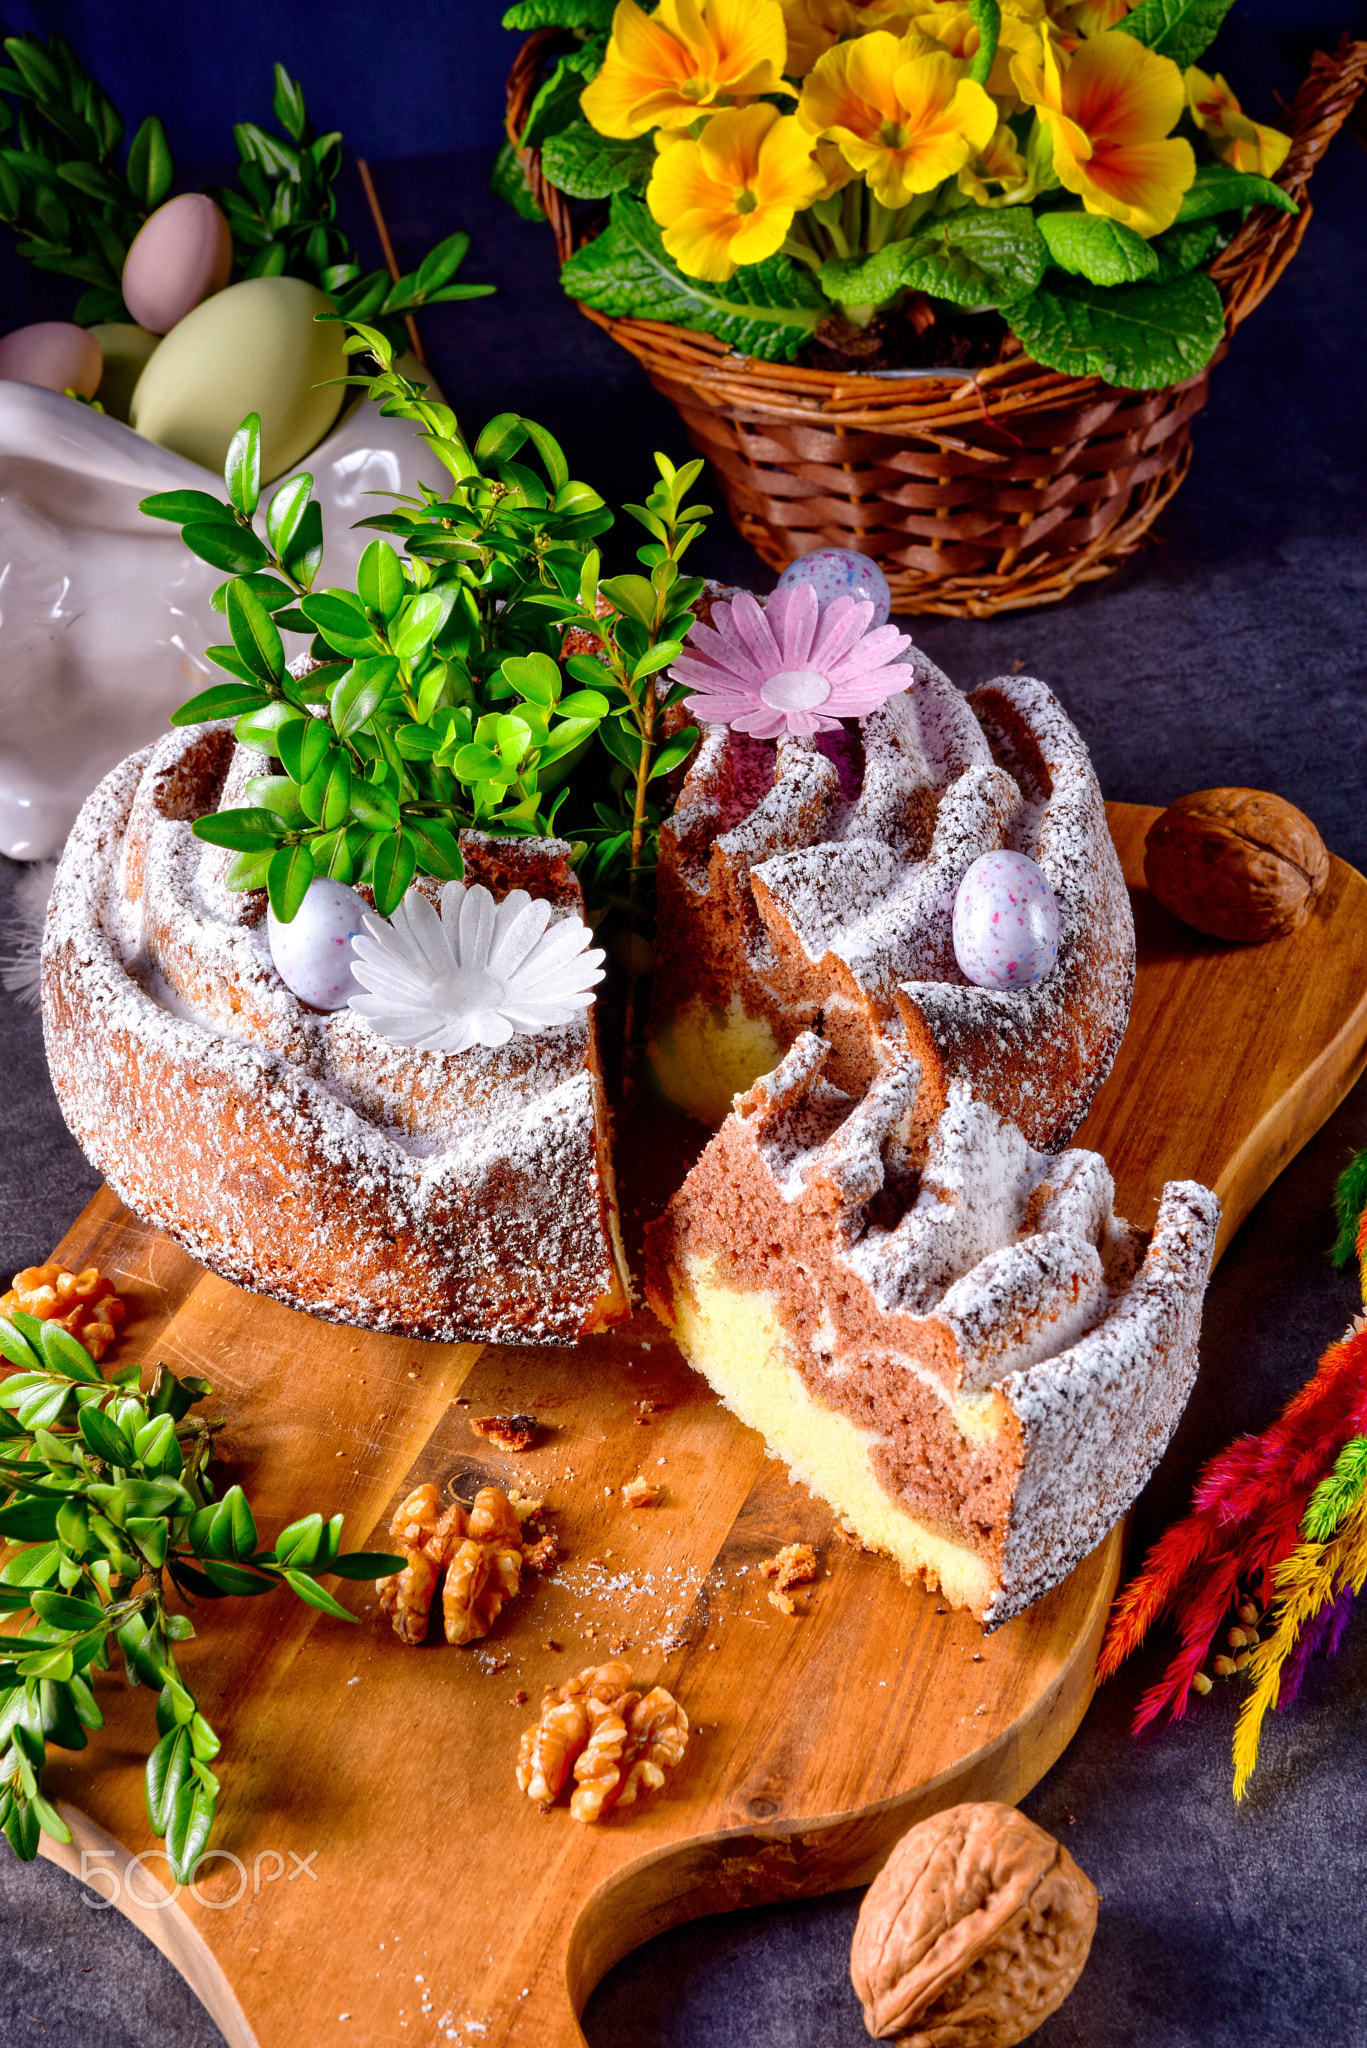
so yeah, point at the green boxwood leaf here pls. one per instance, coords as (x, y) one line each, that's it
(437, 848)
(245, 831)
(315, 1596)
(1217, 189)
(1139, 336)
(360, 693)
(303, 747)
(1180, 29)
(535, 677)
(766, 310)
(391, 871)
(286, 510)
(1088, 245)
(338, 616)
(287, 880)
(233, 549)
(61, 1353)
(242, 470)
(586, 165)
(366, 1564)
(974, 257)
(379, 580)
(149, 170)
(167, 1769)
(220, 700)
(105, 1437)
(253, 631)
(16, 1349)
(186, 508)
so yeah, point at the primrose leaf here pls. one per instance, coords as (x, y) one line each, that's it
(766, 310)
(1139, 336)
(1217, 189)
(1088, 245)
(1180, 29)
(974, 257)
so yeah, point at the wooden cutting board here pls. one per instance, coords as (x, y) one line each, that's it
(379, 1879)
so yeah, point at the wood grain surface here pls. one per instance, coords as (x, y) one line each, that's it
(378, 1879)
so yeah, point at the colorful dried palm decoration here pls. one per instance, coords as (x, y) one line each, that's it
(1277, 1534)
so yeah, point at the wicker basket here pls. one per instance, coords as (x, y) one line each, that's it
(979, 492)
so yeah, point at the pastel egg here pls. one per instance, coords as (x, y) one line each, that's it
(1005, 922)
(252, 348)
(126, 350)
(312, 953)
(180, 255)
(839, 572)
(57, 354)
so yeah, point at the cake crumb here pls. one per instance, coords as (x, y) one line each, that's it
(509, 1432)
(847, 1533)
(795, 1565)
(551, 1644)
(519, 1698)
(639, 1493)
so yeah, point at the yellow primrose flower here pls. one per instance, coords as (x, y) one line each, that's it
(1108, 108)
(815, 26)
(666, 68)
(1002, 164)
(1242, 144)
(903, 120)
(1093, 17)
(729, 198)
(949, 24)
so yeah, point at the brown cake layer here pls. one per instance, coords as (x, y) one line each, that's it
(298, 1153)
(946, 1334)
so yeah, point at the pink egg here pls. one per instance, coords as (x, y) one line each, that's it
(180, 256)
(54, 353)
(1006, 922)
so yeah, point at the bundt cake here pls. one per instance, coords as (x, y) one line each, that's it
(814, 878)
(944, 1332)
(296, 1152)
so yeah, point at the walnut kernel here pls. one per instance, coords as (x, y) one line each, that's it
(475, 1553)
(616, 1743)
(975, 1930)
(83, 1304)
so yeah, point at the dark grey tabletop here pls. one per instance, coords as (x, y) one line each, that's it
(1230, 652)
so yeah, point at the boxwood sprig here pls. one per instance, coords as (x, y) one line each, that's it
(443, 697)
(107, 1508)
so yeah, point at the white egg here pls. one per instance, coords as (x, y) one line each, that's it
(312, 953)
(1005, 922)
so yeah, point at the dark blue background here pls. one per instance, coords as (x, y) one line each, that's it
(399, 80)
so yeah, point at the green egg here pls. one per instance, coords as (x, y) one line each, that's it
(255, 347)
(126, 352)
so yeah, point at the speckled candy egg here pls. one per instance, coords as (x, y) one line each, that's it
(312, 953)
(839, 572)
(1005, 922)
(180, 256)
(54, 353)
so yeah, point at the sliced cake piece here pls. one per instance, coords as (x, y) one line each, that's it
(951, 1339)
(811, 880)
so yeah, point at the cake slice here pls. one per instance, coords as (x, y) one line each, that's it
(950, 1338)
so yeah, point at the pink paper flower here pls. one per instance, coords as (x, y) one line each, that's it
(788, 666)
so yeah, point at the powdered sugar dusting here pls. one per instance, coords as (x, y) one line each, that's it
(444, 1195)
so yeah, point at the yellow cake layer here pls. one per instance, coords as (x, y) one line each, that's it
(705, 1055)
(734, 1338)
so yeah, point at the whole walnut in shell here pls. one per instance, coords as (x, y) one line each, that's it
(974, 1931)
(1236, 863)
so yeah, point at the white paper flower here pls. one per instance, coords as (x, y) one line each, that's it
(477, 974)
